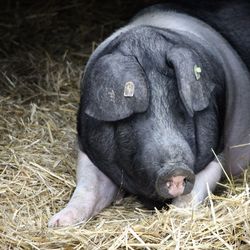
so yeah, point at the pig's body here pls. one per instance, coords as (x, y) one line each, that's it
(157, 95)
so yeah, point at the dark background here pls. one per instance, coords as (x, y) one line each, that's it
(31, 31)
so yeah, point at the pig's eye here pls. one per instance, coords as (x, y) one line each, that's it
(169, 69)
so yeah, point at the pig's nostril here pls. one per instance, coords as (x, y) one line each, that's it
(185, 181)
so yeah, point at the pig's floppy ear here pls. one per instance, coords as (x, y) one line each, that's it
(115, 87)
(194, 85)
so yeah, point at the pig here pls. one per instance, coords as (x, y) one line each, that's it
(156, 97)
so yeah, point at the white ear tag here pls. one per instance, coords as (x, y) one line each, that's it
(197, 72)
(129, 89)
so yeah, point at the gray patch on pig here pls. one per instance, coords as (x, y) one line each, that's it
(237, 87)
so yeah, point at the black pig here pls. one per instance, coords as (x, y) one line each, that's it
(156, 97)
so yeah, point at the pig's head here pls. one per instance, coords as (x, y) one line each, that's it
(143, 101)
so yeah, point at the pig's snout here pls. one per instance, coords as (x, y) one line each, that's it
(174, 181)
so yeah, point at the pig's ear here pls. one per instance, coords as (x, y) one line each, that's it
(115, 87)
(193, 81)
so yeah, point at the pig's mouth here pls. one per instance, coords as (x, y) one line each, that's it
(172, 182)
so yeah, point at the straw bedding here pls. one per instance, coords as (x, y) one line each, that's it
(44, 47)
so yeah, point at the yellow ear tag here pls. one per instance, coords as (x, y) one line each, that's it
(197, 72)
(129, 89)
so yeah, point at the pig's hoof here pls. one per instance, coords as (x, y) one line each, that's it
(66, 217)
(184, 201)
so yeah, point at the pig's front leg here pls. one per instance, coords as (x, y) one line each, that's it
(205, 179)
(94, 191)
